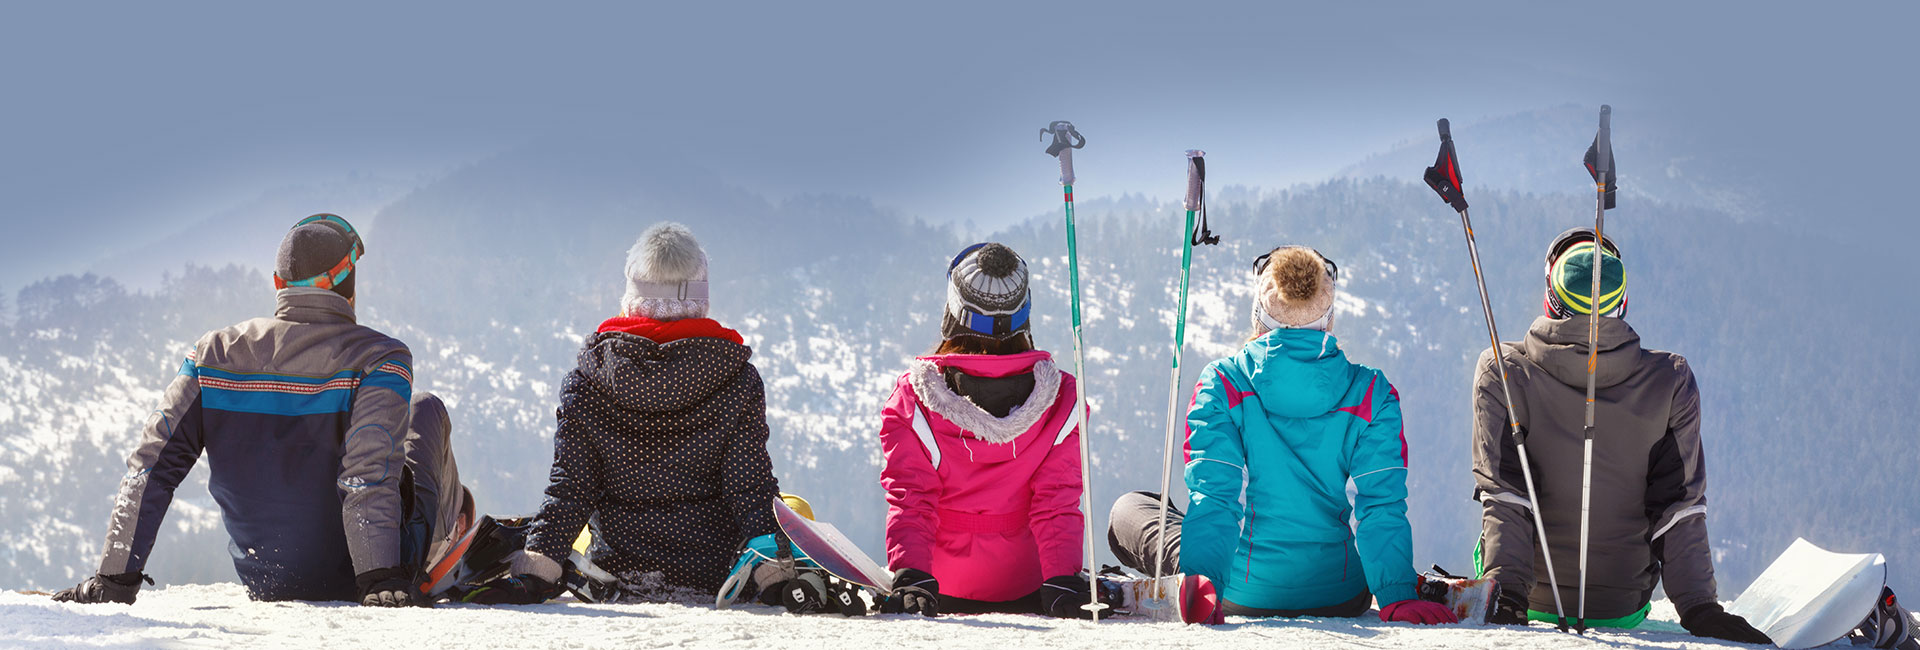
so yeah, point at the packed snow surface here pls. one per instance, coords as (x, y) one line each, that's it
(220, 615)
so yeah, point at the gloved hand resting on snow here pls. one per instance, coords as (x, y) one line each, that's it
(1713, 621)
(914, 592)
(104, 589)
(1509, 607)
(1065, 597)
(389, 587)
(1417, 611)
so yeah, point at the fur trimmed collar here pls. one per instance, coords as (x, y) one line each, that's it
(931, 388)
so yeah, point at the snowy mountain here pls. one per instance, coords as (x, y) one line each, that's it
(496, 272)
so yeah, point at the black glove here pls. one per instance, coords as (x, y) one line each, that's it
(914, 592)
(1710, 620)
(515, 590)
(389, 587)
(104, 589)
(1064, 597)
(1509, 607)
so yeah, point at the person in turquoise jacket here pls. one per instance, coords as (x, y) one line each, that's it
(1274, 434)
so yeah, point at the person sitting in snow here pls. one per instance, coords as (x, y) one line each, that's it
(335, 480)
(662, 440)
(1274, 435)
(982, 473)
(1649, 509)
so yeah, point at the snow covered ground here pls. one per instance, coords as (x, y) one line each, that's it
(195, 616)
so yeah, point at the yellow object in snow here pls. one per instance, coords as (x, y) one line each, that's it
(799, 505)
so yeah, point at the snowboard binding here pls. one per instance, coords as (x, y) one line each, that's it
(771, 571)
(1470, 599)
(480, 556)
(1889, 625)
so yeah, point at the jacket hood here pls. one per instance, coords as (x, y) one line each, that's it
(1298, 373)
(1560, 347)
(639, 374)
(668, 331)
(931, 389)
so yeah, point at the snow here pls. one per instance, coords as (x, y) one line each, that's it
(221, 616)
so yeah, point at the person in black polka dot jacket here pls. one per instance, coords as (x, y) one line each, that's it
(662, 444)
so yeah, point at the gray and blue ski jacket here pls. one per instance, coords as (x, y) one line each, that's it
(302, 415)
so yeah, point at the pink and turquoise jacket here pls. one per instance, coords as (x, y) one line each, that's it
(989, 506)
(1275, 433)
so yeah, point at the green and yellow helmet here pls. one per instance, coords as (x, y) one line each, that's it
(1570, 264)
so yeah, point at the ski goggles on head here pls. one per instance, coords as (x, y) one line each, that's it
(1260, 263)
(334, 276)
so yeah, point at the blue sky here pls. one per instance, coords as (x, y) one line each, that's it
(123, 122)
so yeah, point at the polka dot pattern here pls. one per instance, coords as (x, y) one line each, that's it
(664, 448)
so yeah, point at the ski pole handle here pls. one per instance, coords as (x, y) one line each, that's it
(1603, 162)
(1065, 140)
(1446, 134)
(1196, 178)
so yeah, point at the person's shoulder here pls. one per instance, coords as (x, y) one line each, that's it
(214, 344)
(1667, 362)
(375, 345)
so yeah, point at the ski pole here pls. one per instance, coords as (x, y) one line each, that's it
(1600, 165)
(1444, 178)
(1196, 203)
(1065, 140)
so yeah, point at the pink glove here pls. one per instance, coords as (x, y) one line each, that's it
(1417, 611)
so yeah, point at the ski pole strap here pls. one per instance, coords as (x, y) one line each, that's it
(1444, 175)
(1599, 159)
(1065, 140)
(1196, 200)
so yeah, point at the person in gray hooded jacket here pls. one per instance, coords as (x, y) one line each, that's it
(1649, 492)
(335, 479)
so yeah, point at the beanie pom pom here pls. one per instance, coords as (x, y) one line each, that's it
(1298, 274)
(997, 261)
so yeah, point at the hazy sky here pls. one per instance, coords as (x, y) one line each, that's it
(120, 122)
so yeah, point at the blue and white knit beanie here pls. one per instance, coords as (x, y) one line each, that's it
(666, 275)
(987, 294)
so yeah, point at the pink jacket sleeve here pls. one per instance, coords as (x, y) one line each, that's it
(912, 485)
(1054, 515)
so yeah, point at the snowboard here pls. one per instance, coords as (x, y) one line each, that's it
(1470, 599)
(1810, 596)
(827, 547)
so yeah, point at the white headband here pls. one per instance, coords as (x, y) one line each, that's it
(1323, 323)
(671, 290)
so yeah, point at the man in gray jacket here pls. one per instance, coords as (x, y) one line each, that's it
(334, 478)
(1649, 493)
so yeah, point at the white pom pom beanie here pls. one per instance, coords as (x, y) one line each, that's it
(666, 275)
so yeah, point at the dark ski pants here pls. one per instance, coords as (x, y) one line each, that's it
(1133, 533)
(1028, 604)
(438, 497)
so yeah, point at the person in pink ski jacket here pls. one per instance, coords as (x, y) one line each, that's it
(982, 461)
